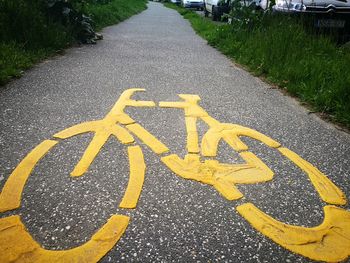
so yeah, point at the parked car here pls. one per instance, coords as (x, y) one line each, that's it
(313, 6)
(216, 8)
(324, 15)
(178, 2)
(192, 4)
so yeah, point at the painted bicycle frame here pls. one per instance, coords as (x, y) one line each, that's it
(330, 241)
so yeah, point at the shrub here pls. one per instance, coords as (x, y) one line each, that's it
(33, 29)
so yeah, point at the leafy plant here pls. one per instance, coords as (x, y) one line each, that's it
(244, 15)
(70, 13)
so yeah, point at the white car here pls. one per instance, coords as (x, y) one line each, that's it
(216, 8)
(192, 4)
(313, 6)
(325, 13)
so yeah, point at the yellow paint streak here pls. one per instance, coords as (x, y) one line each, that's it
(147, 138)
(244, 131)
(78, 129)
(90, 153)
(108, 126)
(328, 242)
(210, 121)
(192, 134)
(102, 129)
(227, 190)
(211, 139)
(189, 168)
(17, 245)
(259, 171)
(254, 171)
(220, 175)
(327, 190)
(137, 177)
(230, 133)
(170, 104)
(122, 134)
(125, 101)
(10, 197)
(121, 118)
(189, 105)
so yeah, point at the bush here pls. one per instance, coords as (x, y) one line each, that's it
(25, 22)
(33, 29)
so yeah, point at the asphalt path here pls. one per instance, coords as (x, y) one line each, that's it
(176, 220)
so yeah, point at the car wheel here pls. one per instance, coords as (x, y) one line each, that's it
(214, 14)
(218, 17)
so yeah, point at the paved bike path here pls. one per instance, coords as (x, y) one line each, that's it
(176, 220)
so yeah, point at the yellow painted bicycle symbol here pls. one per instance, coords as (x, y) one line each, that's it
(330, 241)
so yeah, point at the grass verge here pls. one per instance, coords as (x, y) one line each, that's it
(25, 41)
(114, 12)
(310, 67)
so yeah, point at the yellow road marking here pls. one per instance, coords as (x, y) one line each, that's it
(125, 101)
(212, 137)
(327, 190)
(122, 134)
(192, 134)
(98, 141)
(210, 121)
(137, 177)
(254, 171)
(189, 168)
(17, 245)
(99, 127)
(147, 138)
(189, 105)
(78, 129)
(327, 242)
(227, 189)
(230, 133)
(108, 126)
(222, 176)
(10, 197)
(90, 153)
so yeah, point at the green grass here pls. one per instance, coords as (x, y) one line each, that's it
(114, 12)
(14, 59)
(27, 35)
(310, 67)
